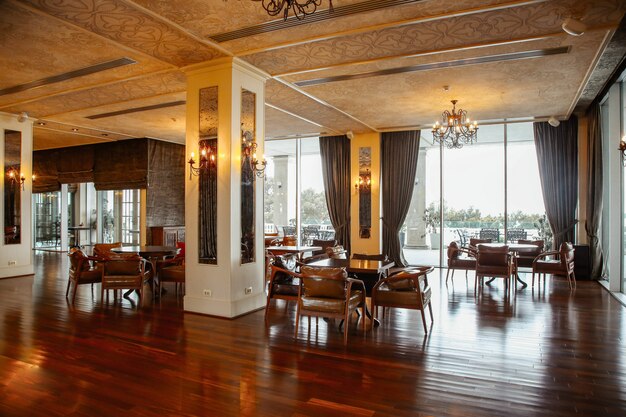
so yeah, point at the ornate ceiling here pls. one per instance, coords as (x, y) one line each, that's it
(359, 71)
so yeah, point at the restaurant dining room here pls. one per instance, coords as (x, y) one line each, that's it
(313, 208)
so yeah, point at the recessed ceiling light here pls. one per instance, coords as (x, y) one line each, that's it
(41, 123)
(105, 134)
(74, 129)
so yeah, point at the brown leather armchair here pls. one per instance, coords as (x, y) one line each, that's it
(328, 292)
(103, 250)
(172, 273)
(562, 264)
(494, 262)
(284, 281)
(406, 289)
(128, 273)
(473, 245)
(525, 258)
(82, 271)
(457, 261)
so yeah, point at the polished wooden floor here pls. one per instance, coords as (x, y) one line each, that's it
(548, 353)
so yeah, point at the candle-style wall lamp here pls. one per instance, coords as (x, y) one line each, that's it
(622, 149)
(15, 176)
(207, 159)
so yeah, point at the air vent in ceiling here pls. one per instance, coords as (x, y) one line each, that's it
(438, 65)
(68, 75)
(319, 16)
(137, 109)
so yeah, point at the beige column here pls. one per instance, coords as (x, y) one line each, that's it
(229, 288)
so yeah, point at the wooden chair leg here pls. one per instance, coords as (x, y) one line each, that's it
(346, 324)
(430, 308)
(574, 278)
(424, 320)
(67, 291)
(75, 290)
(447, 275)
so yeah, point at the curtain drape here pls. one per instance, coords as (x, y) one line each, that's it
(45, 170)
(557, 156)
(594, 192)
(121, 165)
(335, 155)
(399, 152)
(207, 211)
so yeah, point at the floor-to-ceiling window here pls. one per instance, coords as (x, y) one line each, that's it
(294, 202)
(483, 193)
(47, 219)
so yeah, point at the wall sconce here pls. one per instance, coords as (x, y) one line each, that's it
(207, 158)
(622, 149)
(15, 176)
(365, 181)
(249, 151)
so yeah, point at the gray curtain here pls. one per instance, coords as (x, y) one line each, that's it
(399, 151)
(207, 207)
(557, 155)
(335, 154)
(594, 192)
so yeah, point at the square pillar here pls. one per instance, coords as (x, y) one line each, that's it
(226, 287)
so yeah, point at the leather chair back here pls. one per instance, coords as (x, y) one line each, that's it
(324, 282)
(453, 251)
(498, 256)
(567, 255)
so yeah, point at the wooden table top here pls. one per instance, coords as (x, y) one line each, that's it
(147, 251)
(515, 247)
(355, 265)
(293, 249)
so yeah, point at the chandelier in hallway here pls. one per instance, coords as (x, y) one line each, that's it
(300, 8)
(455, 129)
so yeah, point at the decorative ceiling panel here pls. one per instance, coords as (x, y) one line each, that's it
(279, 124)
(437, 9)
(533, 87)
(130, 26)
(50, 138)
(528, 21)
(283, 97)
(160, 123)
(34, 46)
(148, 86)
(442, 57)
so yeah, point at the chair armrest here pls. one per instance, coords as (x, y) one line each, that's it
(356, 282)
(467, 251)
(546, 254)
(417, 274)
(286, 271)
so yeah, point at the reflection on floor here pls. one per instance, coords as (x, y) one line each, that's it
(545, 352)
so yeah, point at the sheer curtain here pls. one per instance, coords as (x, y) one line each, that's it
(335, 155)
(557, 156)
(399, 152)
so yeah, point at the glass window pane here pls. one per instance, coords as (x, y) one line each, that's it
(473, 184)
(421, 232)
(314, 218)
(526, 212)
(280, 187)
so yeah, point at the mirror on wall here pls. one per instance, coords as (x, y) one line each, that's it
(248, 176)
(364, 190)
(13, 183)
(207, 145)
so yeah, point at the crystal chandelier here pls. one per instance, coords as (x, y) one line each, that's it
(455, 129)
(300, 8)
